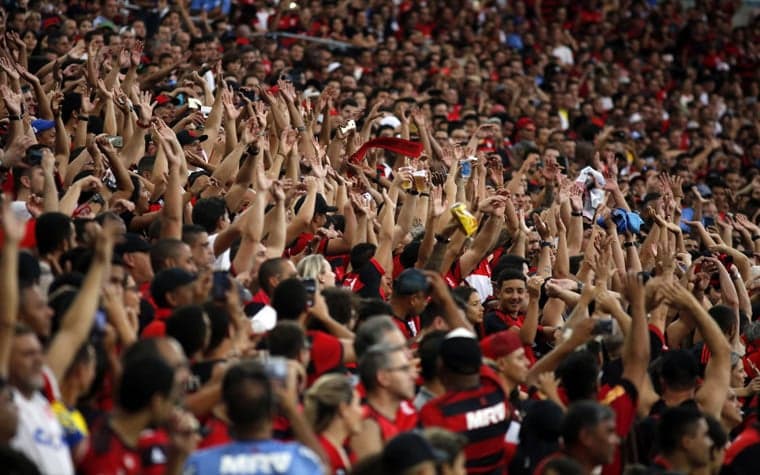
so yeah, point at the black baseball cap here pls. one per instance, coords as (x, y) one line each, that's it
(410, 281)
(407, 450)
(168, 280)
(320, 205)
(460, 352)
(132, 243)
(187, 137)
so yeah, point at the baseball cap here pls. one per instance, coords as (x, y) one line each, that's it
(410, 281)
(41, 125)
(168, 280)
(407, 450)
(460, 352)
(320, 205)
(500, 344)
(525, 123)
(132, 243)
(186, 137)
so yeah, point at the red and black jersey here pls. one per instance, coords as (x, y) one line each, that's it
(482, 414)
(366, 281)
(410, 326)
(108, 454)
(406, 419)
(304, 240)
(216, 432)
(623, 399)
(496, 321)
(743, 454)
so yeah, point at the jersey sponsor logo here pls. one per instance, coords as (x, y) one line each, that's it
(277, 462)
(486, 416)
(157, 456)
(42, 437)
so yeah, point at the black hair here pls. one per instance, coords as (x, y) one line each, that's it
(247, 395)
(268, 269)
(207, 212)
(219, 324)
(361, 254)
(716, 432)
(674, 424)
(428, 353)
(341, 303)
(679, 370)
(51, 231)
(582, 415)
(725, 317)
(190, 233)
(162, 250)
(509, 274)
(579, 373)
(142, 378)
(286, 339)
(371, 307)
(289, 299)
(188, 326)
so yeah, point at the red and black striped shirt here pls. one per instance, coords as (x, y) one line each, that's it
(482, 414)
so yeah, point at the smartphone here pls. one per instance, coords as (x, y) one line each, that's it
(708, 221)
(350, 125)
(277, 369)
(220, 284)
(181, 98)
(602, 327)
(465, 169)
(116, 140)
(311, 288)
(367, 198)
(98, 199)
(205, 110)
(193, 103)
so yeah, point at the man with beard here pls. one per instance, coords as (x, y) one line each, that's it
(512, 294)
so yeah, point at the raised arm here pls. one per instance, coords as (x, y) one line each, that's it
(78, 319)
(13, 232)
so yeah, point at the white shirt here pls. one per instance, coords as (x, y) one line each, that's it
(40, 435)
(222, 261)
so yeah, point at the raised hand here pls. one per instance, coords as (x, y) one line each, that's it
(12, 100)
(228, 99)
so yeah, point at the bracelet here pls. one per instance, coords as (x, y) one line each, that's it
(547, 244)
(83, 118)
(301, 128)
(629, 244)
(442, 239)
(142, 125)
(412, 192)
(756, 237)
(425, 193)
(576, 213)
(15, 117)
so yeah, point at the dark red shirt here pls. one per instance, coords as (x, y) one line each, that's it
(405, 420)
(108, 454)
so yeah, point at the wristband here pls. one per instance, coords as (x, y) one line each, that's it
(546, 244)
(412, 192)
(442, 239)
(15, 117)
(578, 214)
(756, 237)
(629, 244)
(425, 193)
(142, 125)
(83, 118)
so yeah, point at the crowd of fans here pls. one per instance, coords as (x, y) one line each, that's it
(374, 237)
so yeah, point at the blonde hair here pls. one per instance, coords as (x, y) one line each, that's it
(324, 398)
(311, 267)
